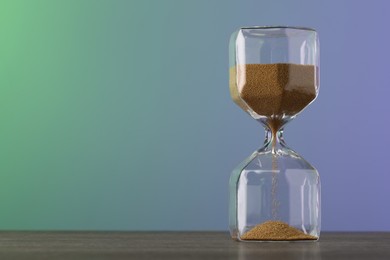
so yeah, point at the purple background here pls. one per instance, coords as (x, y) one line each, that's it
(343, 133)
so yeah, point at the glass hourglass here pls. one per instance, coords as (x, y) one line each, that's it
(274, 193)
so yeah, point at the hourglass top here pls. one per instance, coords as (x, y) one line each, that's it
(278, 27)
(274, 70)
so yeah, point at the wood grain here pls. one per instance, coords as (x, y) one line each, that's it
(186, 245)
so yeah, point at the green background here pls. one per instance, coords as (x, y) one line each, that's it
(99, 103)
(116, 115)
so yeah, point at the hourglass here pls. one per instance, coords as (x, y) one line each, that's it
(274, 193)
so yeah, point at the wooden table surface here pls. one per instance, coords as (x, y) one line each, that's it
(186, 245)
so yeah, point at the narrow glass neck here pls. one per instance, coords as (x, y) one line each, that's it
(274, 140)
(274, 127)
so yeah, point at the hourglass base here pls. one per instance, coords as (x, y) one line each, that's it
(275, 196)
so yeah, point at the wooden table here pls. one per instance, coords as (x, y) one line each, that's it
(186, 245)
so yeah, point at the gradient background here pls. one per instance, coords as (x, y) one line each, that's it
(116, 115)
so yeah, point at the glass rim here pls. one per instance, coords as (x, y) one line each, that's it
(278, 27)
